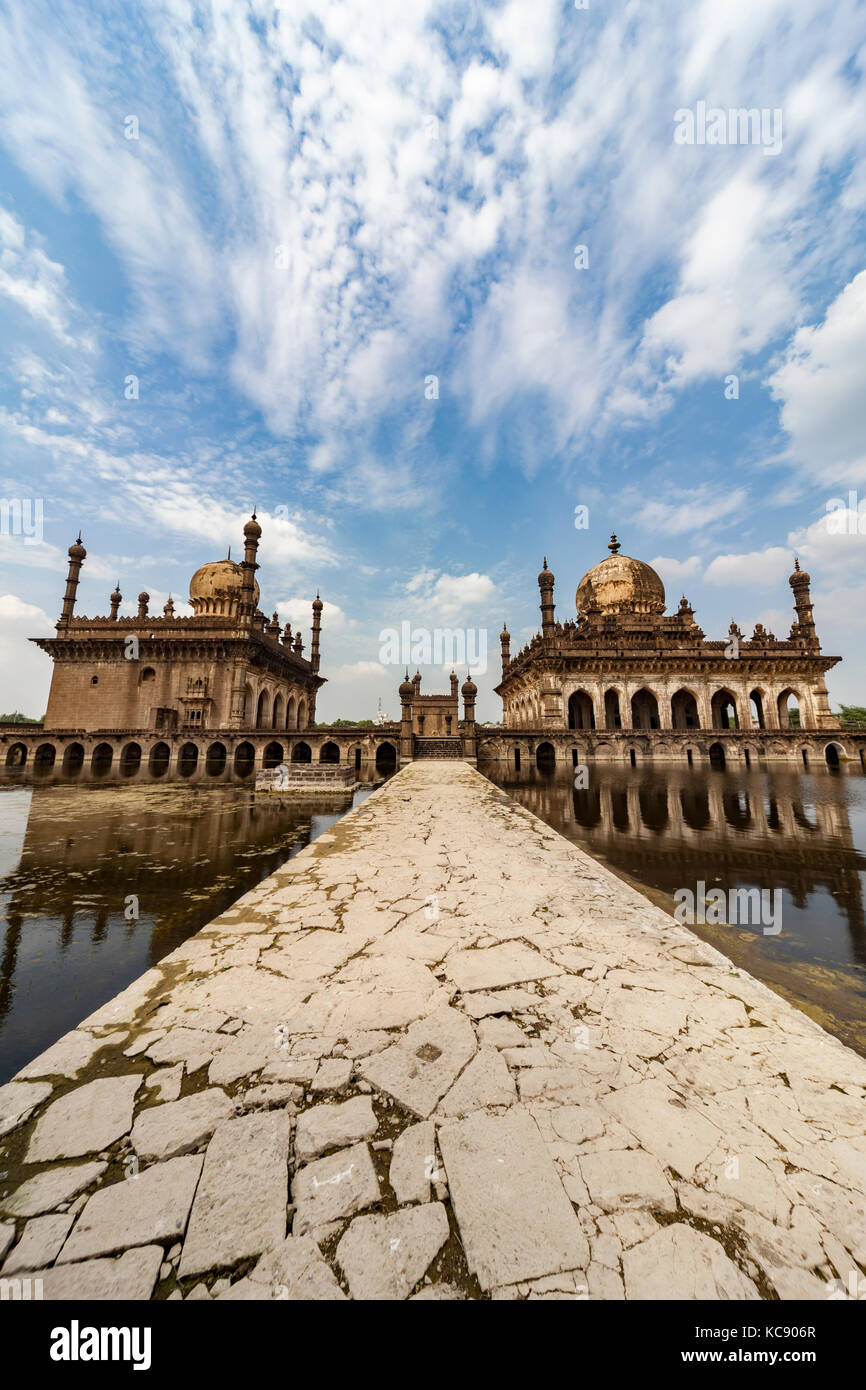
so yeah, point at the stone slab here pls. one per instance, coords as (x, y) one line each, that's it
(86, 1120)
(140, 1210)
(384, 1257)
(333, 1188)
(515, 1220)
(418, 1070)
(325, 1127)
(178, 1126)
(40, 1243)
(509, 964)
(132, 1276)
(679, 1262)
(240, 1205)
(44, 1191)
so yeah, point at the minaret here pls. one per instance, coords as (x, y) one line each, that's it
(143, 601)
(505, 644)
(454, 684)
(116, 601)
(799, 582)
(469, 691)
(77, 556)
(545, 584)
(273, 627)
(168, 610)
(298, 648)
(287, 635)
(416, 681)
(247, 604)
(407, 694)
(317, 627)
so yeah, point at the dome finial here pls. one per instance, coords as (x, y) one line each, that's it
(613, 544)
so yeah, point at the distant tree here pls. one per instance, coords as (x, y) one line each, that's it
(16, 717)
(852, 714)
(347, 724)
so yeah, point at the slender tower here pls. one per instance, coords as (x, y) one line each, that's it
(805, 626)
(545, 584)
(249, 565)
(317, 627)
(407, 694)
(505, 645)
(77, 556)
(116, 601)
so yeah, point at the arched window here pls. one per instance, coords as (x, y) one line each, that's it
(130, 760)
(790, 710)
(644, 710)
(684, 710)
(581, 714)
(273, 755)
(724, 707)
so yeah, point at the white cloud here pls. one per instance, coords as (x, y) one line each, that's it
(440, 599)
(675, 571)
(31, 280)
(821, 388)
(701, 508)
(361, 670)
(769, 568)
(25, 672)
(298, 612)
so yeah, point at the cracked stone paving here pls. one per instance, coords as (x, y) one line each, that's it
(440, 1054)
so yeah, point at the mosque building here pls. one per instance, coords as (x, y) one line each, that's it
(225, 667)
(625, 665)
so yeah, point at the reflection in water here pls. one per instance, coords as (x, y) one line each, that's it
(670, 827)
(73, 862)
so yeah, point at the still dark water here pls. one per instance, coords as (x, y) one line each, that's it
(770, 828)
(71, 857)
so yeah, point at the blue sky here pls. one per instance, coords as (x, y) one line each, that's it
(324, 205)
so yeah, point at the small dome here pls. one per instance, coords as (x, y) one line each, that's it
(546, 576)
(215, 587)
(798, 577)
(252, 529)
(77, 551)
(144, 596)
(407, 687)
(505, 635)
(469, 689)
(317, 604)
(620, 584)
